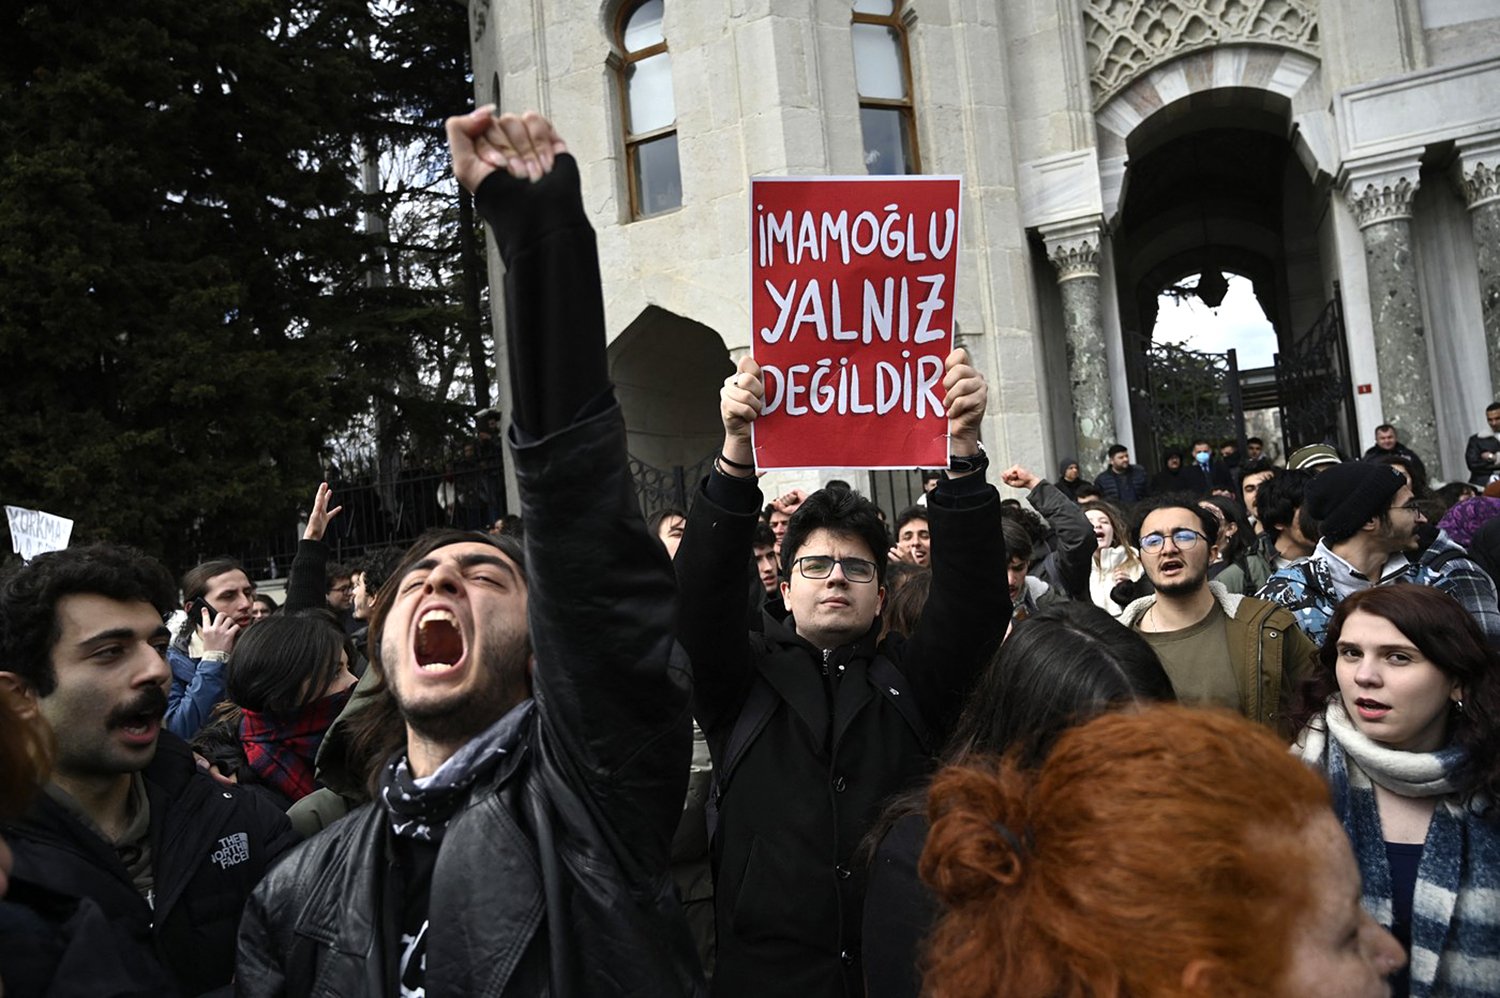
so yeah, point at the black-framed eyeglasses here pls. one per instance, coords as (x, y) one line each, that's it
(820, 566)
(346, 590)
(1410, 507)
(1184, 538)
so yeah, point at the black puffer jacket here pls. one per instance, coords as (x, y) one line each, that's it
(553, 878)
(830, 736)
(210, 846)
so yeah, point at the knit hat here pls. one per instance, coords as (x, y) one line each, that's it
(1346, 496)
(1312, 456)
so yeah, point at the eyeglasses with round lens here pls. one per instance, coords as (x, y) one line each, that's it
(820, 566)
(1184, 539)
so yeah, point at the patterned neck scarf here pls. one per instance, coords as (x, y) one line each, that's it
(282, 747)
(421, 808)
(1455, 928)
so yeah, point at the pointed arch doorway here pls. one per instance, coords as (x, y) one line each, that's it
(1216, 185)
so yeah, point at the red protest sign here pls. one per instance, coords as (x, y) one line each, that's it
(851, 304)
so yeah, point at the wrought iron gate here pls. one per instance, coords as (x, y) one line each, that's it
(1313, 382)
(1180, 395)
(662, 488)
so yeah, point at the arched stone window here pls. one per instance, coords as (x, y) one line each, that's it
(650, 110)
(882, 72)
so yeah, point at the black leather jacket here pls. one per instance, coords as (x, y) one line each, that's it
(553, 879)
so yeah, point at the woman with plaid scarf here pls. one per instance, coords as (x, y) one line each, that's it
(287, 681)
(1407, 728)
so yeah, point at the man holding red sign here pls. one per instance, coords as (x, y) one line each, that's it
(851, 304)
(814, 721)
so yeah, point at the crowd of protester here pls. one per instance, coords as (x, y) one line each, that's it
(1233, 729)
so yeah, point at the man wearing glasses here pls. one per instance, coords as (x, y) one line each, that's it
(814, 721)
(1371, 532)
(1217, 647)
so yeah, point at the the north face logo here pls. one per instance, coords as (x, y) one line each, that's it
(233, 850)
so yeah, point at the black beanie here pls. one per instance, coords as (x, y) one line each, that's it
(1346, 496)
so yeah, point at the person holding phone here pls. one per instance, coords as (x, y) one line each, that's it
(218, 598)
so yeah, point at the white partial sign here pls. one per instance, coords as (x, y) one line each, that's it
(33, 532)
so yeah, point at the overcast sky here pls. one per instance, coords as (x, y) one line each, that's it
(1240, 325)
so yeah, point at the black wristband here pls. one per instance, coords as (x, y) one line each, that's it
(962, 465)
(734, 464)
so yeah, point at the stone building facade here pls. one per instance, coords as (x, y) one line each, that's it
(1108, 149)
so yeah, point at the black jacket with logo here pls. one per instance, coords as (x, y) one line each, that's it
(808, 745)
(210, 846)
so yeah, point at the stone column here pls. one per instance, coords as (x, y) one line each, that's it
(1073, 248)
(1380, 194)
(1479, 175)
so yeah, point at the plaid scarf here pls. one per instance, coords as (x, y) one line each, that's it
(1455, 923)
(281, 747)
(420, 808)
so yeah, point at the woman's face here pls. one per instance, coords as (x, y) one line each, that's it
(1336, 949)
(259, 611)
(1103, 529)
(341, 681)
(1391, 691)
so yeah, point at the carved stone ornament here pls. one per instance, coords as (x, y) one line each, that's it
(1482, 183)
(1125, 38)
(1075, 258)
(1375, 201)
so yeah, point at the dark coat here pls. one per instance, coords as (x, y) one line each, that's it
(1481, 470)
(837, 739)
(1124, 489)
(210, 846)
(1375, 454)
(900, 911)
(553, 877)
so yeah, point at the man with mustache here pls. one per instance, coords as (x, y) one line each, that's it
(127, 822)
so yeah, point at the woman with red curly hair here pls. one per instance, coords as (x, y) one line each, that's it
(1164, 852)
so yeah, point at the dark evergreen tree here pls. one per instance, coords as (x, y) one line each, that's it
(185, 304)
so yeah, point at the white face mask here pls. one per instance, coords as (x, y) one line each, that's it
(1201, 457)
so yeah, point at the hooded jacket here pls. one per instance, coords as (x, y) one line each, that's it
(210, 845)
(834, 733)
(1269, 654)
(1311, 588)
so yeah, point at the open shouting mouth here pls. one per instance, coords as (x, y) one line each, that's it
(439, 644)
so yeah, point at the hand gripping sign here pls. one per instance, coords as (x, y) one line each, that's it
(851, 300)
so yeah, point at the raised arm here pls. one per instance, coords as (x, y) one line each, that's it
(610, 682)
(1072, 562)
(712, 557)
(307, 580)
(969, 607)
